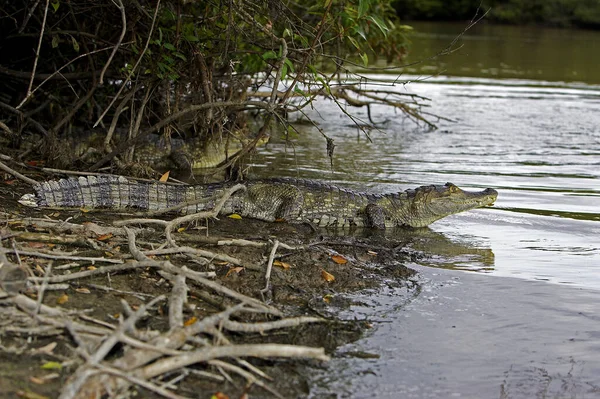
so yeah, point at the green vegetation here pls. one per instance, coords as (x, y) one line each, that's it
(562, 13)
(192, 68)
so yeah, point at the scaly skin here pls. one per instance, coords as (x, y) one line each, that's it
(292, 200)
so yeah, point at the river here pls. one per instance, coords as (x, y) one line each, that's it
(510, 300)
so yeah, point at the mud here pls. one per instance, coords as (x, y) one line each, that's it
(373, 261)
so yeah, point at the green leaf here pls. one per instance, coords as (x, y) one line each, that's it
(55, 4)
(54, 41)
(284, 70)
(160, 37)
(192, 38)
(363, 6)
(75, 44)
(354, 42)
(365, 59)
(289, 64)
(180, 56)
(169, 46)
(52, 366)
(360, 31)
(299, 91)
(269, 55)
(380, 24)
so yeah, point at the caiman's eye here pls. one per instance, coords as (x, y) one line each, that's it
(451, 187)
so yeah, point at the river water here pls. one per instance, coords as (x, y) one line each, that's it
(510, 300)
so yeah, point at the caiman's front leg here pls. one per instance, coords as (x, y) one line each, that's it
(275, 202)
(374, 216)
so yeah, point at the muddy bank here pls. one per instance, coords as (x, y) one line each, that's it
(314, 274)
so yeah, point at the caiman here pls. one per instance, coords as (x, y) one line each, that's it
(291, 200)
(175, 153)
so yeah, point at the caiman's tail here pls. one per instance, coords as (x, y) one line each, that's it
(117, 192)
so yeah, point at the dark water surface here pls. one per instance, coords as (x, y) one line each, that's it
(510, 301)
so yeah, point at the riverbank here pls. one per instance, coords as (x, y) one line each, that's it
(80, 267)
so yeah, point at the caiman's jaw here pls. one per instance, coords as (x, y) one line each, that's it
(435, 202)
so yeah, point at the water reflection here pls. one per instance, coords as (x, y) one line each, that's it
(537, 143)
(501, 51)
(428, 247)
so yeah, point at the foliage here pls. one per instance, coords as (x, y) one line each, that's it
(188, 67)
(565, 13)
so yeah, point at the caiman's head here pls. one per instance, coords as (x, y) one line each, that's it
(430, 203)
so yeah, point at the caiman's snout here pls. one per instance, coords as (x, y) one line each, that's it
(491, 194)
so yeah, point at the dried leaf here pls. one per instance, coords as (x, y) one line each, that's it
(47, 349)
(234, 216)
(219, 395)
(83, 290)
(104, 237)
(164, 177)
(33, 244)
(234, 270)
(281, 264)
(339, 259)
(64, 298)
(30, 395)
(181, 229)
(84, 209)
(223, 263)
(327, 298)
(372, 253)
(190, 321)
(44, 379)
(327, 276)
(52, 366)
(92, 267)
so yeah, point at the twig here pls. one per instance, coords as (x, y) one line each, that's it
(173, 224)
(119, 41)
(37, 56)
(42, 288)
(17, 174)
(142, 53)
(72, 389)
(261, 350)
(201, 252)
(177, 299)
(271, 325)
(138, 381)
(90, 273)
(65, 257)
(248, 376)
(167, 266)
(267, 288)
